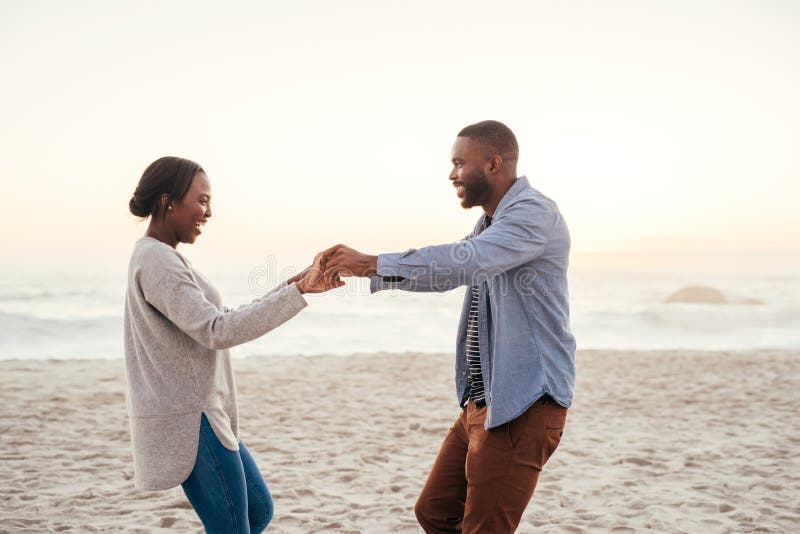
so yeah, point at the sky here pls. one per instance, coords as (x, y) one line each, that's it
(654, 125)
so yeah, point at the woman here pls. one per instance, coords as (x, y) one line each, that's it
(181, 392)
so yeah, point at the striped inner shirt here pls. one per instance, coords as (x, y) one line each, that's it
(475, 375)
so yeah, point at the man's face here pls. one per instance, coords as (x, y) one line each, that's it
(468, 175)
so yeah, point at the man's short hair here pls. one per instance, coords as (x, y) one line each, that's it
(494, 134)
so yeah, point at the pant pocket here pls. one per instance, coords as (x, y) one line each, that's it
(554, 430)
(497, 438)
(515, 431)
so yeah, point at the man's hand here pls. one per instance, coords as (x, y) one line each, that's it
(341, 260)
(313, 278)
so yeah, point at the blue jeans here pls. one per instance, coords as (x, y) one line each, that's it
(226, 489)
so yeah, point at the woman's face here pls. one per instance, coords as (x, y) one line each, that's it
(190, 213)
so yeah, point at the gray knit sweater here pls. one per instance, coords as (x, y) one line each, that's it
(177, 336)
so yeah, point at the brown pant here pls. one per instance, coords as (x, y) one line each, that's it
(482, 480)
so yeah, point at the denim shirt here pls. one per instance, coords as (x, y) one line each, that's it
(520, 265)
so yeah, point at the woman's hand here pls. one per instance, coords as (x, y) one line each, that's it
(299, 276)
(312, 279)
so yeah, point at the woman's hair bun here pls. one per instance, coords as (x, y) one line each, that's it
(138, 208)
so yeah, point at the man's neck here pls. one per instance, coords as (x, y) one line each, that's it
(497, 195)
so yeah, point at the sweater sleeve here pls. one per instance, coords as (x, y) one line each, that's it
(168, 285)
(262, 297)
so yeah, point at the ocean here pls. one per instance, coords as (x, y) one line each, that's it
(617, 301)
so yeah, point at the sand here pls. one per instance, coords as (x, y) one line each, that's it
(655, 441)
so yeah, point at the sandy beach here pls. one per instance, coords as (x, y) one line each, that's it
(656, 441)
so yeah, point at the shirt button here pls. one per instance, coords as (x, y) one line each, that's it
(463, 373)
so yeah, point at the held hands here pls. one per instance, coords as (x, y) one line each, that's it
(341, 260)
(314, 280)
(330, 265)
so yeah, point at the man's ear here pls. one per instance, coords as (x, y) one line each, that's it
(495, 163)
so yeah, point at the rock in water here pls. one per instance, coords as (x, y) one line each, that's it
(698, 295)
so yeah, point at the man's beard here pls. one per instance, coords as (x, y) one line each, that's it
(476, 189)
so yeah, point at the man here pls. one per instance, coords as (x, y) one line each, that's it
(515, 357)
